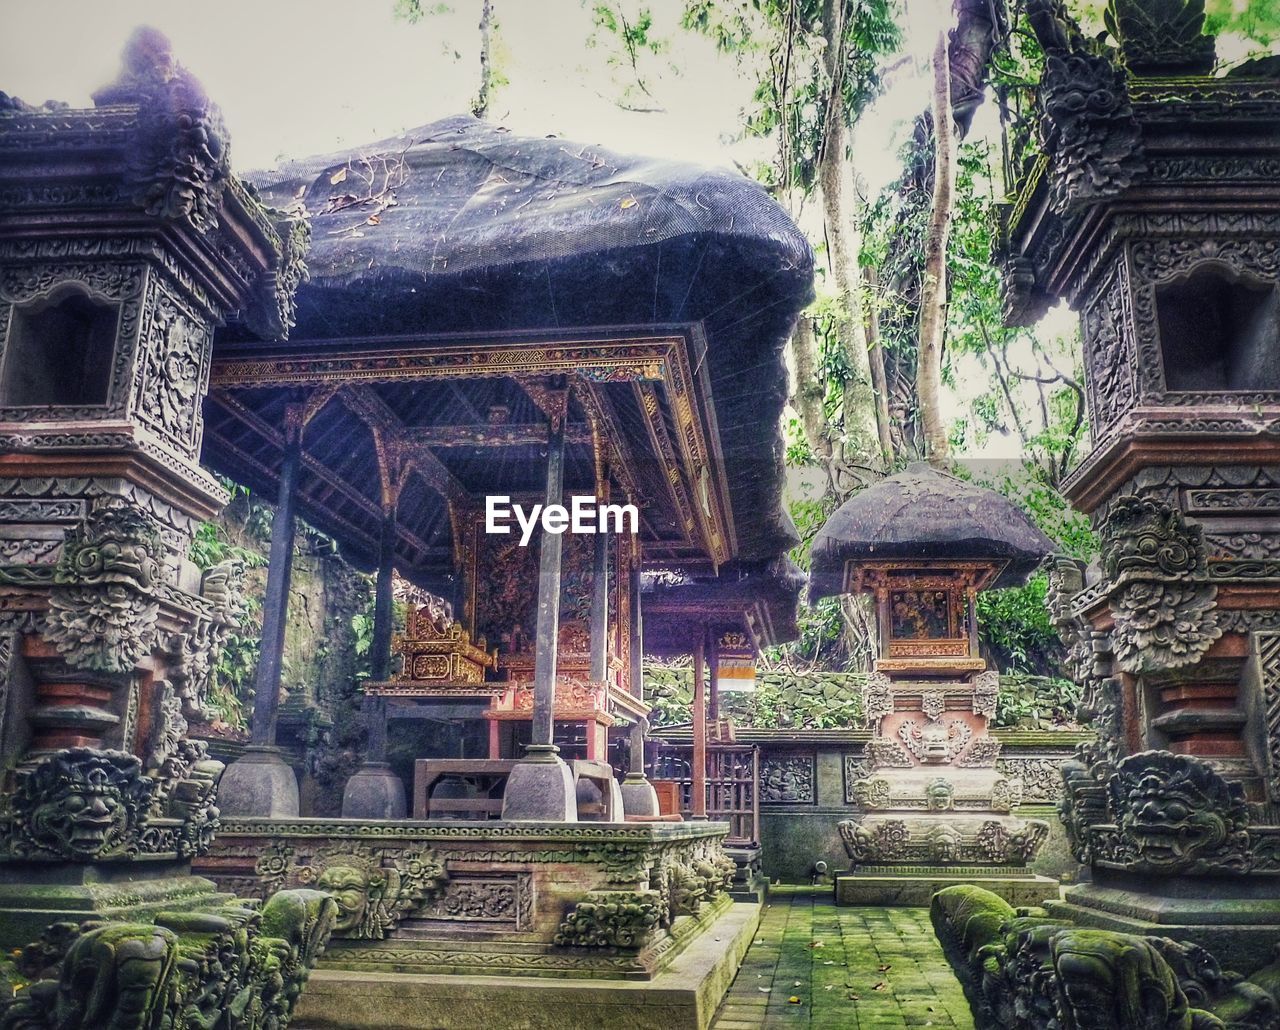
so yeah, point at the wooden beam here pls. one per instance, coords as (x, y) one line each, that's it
(487, 434)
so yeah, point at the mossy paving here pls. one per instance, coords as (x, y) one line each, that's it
(850, 968)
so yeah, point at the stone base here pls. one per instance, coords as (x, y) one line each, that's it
(916, 885)
(1240, 931)
(540, 789)
(683, 996)
(749, 882)
(374, 792)
(259, 783)
(33, 895)
(638, 796)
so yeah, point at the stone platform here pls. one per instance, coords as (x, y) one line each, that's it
(34, 895)
(1236, 920)
(683, 996)
(612, 901)
(915, 886)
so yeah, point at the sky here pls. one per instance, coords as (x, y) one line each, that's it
(297, 78)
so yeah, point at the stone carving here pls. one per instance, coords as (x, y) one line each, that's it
(231, 967)
(935, 742)
(481, 899)
(1041, 778)
(1084, 804)
(1267, 646)
(939, 795)
(611, 919)
(180, 159)
(102, 612)
(932, 704)
(982, 754)
(1022, 970)
(1087, 124)
(888, 754)
(273, 311)
(986, 689)
(877, 698)
(375, 888)
(1163, 625)
(990, 842)
(787, 779)
(1161, 37)
(870, 793)
(1149, 552)
(172, 370)
(1175, 814)
(1006, 795)
(79, 805)
(1145, 536)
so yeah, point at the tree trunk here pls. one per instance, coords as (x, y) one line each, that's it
(835, 180)
(481, 107)
(875, 354)
(810, 391)
(933, 294)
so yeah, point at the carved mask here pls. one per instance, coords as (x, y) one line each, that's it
(350, 888)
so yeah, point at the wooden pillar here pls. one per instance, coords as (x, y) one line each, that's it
(637, 633)
(383, 623)
(548, 628)
(698, 772)
(600, 608)
(275, 602)
(713, 703)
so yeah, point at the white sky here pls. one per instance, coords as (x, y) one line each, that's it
(296, 78)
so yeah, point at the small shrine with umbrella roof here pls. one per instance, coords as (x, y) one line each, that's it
(934, 809)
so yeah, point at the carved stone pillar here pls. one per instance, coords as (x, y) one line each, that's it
(114, 274)
(1156, 215)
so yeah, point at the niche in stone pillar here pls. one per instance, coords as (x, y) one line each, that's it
(59, 351)
(1219, 331)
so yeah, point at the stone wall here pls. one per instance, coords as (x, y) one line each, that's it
(806, 778)
(319, 723)
(824, 700)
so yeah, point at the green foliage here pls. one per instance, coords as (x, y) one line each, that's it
(413, 11)
(625, 31)
(1036, 702)
(1257, 22)
(237, 661)
(1014, 625)
(783, 40)
(782, 699)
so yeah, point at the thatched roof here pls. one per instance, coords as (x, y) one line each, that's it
(922, 513)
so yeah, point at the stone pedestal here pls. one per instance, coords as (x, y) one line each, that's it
(541, 789)
(934, 810)
(33, 895)
(259, 783)
(374, 792)
(638, 796)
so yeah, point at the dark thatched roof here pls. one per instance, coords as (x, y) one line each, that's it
(493, 232)
(922, 513)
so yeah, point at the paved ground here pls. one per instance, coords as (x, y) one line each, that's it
(850, 968)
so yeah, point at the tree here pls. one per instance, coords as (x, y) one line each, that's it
(933, 294)
(413, 11)
(818, 65)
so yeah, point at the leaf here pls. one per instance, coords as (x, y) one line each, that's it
(373, 220)
(629, 202)
(339, 176)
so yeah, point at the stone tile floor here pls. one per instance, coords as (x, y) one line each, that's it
(850, 968)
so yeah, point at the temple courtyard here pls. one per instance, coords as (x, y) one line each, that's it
(850, 968)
